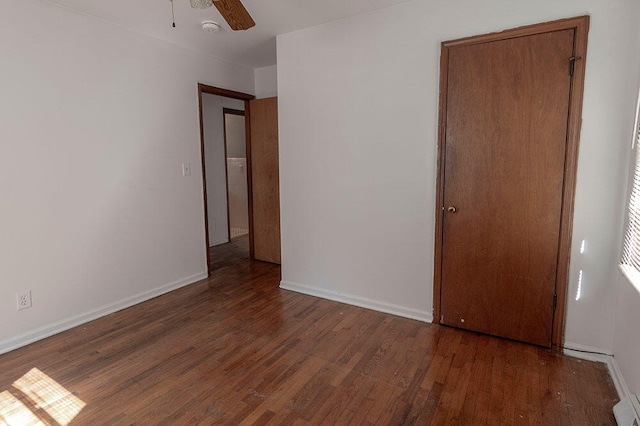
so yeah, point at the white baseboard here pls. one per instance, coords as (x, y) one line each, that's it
(618, 379)
(586, 352)
(362, 302)
(31, 336)
(218, 242)
(583, 348)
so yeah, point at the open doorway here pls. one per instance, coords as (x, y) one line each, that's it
(261, 173)
(221, 140)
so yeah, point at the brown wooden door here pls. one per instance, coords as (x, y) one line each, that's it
(507, 107)
(265, 183)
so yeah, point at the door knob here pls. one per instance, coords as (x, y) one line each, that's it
(452, 209)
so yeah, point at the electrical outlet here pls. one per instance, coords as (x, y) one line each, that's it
(186, 169)
(24, 299)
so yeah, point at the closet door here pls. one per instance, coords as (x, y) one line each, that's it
(507, 109)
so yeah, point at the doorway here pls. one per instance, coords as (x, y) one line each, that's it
(211, 104)
(509, 130)
(261, 173)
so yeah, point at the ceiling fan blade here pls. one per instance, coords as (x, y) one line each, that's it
(235, 14)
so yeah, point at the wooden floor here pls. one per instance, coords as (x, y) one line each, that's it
(237, 349)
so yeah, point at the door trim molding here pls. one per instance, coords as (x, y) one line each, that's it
(211, 90)
(581, 27)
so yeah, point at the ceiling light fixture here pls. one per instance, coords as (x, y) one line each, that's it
(210, 26)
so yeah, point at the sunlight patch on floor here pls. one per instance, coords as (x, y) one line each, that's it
(44, 394)
(13, 412)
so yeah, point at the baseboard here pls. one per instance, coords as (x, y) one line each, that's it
(586, 352)
(362, 302)
(218, 242)
(29, 337)
(617, 378)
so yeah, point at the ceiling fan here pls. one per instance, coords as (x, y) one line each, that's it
(231, 10)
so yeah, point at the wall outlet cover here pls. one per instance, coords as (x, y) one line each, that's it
(23, 299)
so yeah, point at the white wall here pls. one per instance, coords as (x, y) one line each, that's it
(213, 121)
(96, 121)
(358, 133)
(626, 347)
(236, 135)
(238, 193)
(266, 82)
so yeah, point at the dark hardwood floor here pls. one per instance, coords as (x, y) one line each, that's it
(236, 349)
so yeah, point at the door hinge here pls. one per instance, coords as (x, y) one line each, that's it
(572, 64)
(555, 301)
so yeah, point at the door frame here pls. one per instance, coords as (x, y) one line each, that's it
(581, 27)
(217, 91)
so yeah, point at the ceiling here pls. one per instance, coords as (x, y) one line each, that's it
(254, 48)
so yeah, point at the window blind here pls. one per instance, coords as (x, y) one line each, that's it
(631, 250)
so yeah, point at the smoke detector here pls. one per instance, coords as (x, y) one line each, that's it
(210, 26)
